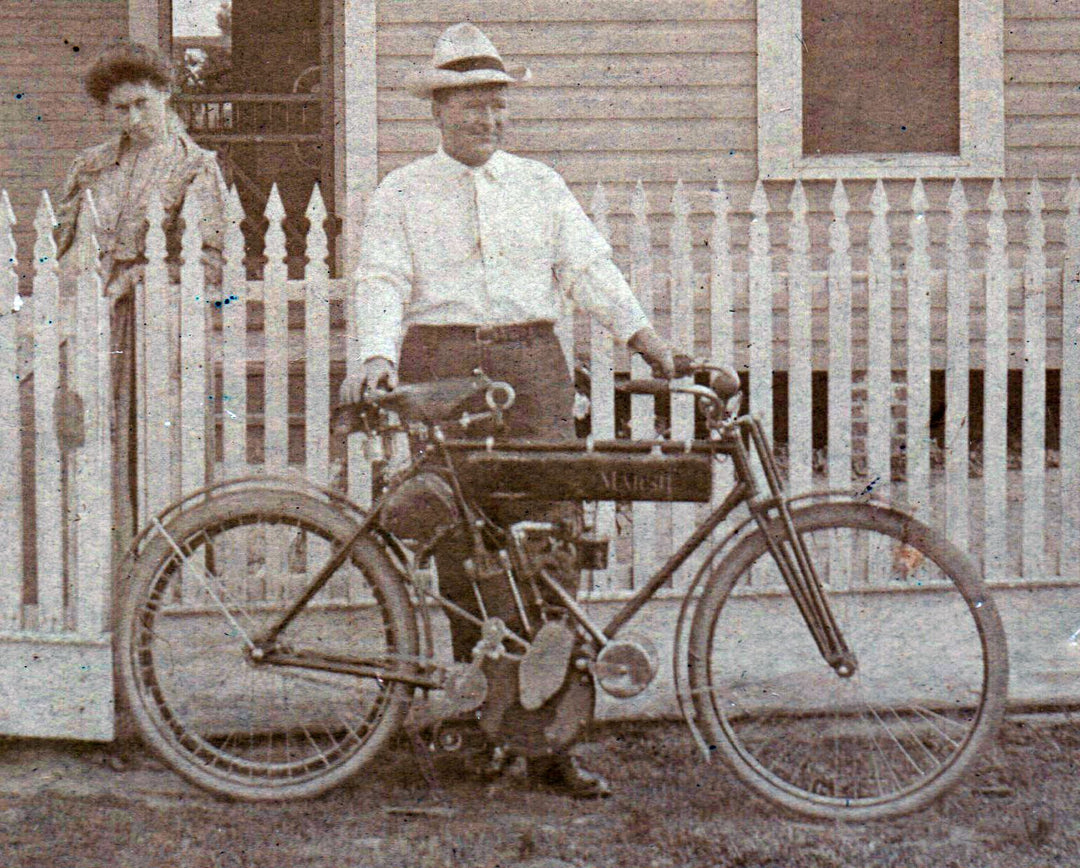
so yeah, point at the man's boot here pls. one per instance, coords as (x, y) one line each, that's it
(566, 774)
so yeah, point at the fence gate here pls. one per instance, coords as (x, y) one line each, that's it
(55, 491)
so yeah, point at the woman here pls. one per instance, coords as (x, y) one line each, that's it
(150, 152)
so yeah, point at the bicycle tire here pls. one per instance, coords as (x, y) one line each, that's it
(233, 728)
(918, 710)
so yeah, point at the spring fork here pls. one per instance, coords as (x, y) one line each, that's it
(801, 576)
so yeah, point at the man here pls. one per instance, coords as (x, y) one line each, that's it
(468, 253)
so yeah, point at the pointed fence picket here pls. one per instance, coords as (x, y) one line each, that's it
(917, 438)
(602, 395)
(995, 386)
(840, 363)
(761, 307)
(234, 352)
(48, 461)
(276, 376)
(957, 362)
(1033, 427)
(721, 323)
(646, 540)
(1070, 387)
(878, 447)
(194, 384)
(683, 290)
(316, 345)
(800, 413)
(92, 482)
(11, 506)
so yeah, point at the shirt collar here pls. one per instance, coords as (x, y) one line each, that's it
(494, 169)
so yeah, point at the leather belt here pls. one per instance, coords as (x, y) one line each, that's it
(489, 334)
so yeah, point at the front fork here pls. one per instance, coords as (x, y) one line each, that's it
(788, 549)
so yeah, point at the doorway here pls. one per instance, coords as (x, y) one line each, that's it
(256, 86)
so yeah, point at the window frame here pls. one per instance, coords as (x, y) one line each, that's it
(780, 104)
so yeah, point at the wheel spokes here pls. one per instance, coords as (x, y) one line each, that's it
(286, 723)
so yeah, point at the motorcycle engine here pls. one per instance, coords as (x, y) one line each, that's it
(568, 709)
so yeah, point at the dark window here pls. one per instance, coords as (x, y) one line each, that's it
(880, 76)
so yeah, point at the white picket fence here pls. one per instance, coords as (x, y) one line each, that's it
(201, 351)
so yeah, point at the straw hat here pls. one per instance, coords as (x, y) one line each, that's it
(464, 57)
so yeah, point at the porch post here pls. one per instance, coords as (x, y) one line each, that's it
(150, 22)
(357, 105)
(356, 101)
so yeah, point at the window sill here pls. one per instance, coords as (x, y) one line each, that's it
(856, 166)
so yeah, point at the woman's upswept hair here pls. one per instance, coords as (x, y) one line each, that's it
(127, 62)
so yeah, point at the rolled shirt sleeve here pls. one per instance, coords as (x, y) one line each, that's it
(383, 279)
(585, 270)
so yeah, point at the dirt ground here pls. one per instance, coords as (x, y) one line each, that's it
(64, 805)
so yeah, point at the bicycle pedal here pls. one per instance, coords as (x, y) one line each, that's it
(543, 668)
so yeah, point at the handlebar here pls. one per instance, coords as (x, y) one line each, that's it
(442, 400)
(435, 402)
(724, 381)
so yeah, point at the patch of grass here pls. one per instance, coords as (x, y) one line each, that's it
(670, 810)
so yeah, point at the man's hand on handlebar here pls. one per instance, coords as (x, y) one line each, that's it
(655, 350)
(377, 373)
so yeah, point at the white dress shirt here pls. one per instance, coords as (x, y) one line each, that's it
(446, 244)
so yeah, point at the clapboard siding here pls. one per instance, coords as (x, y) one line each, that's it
(616, 103)
(602, 69)
(620, 90)
(1042, 68)
(513, 11)
(569, 37)
(1042, 35)
(1041, 100)
(669, 135)
(45, 47)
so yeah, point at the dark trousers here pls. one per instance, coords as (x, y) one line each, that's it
(125, 464)
(543, 409)
(124, 427)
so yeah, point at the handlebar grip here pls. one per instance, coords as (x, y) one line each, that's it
(725, 382)
(645, 387)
